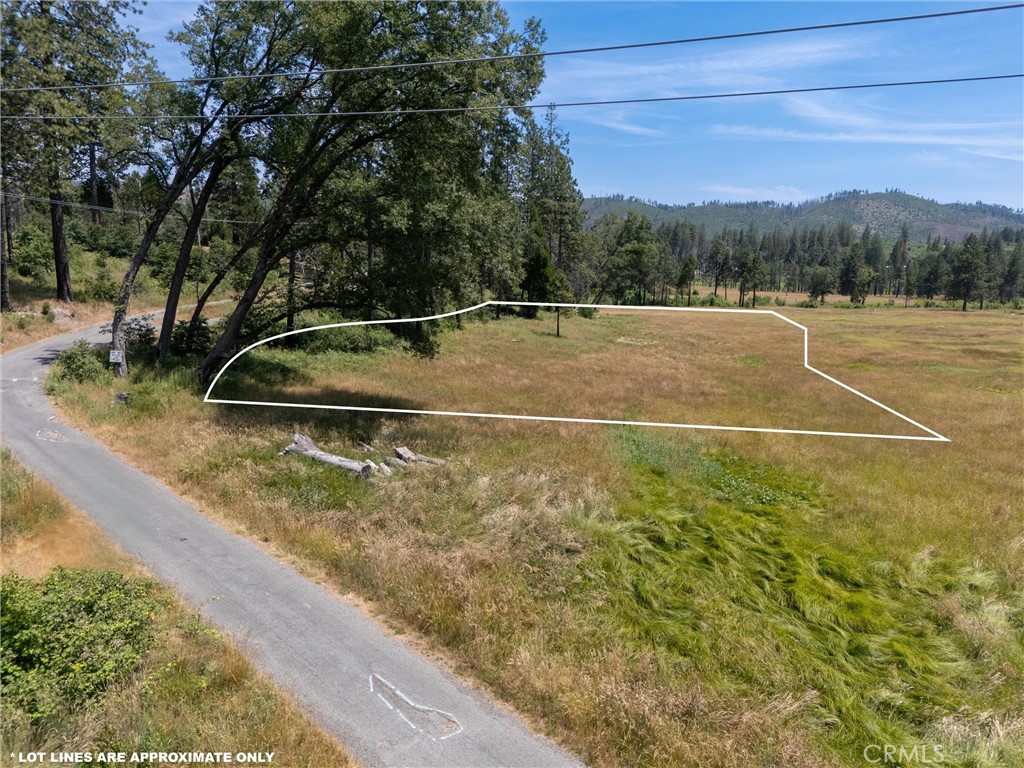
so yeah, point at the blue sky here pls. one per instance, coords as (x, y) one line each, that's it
(959, 142)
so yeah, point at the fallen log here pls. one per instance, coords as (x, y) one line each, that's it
(397, 463)
(411, 457)
(303, 446)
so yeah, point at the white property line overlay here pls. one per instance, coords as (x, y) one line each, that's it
(933, 436)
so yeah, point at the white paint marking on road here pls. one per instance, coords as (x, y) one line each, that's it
(933, 436)
(430, 714)
(50, 435)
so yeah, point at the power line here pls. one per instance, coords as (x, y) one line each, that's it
(517, 56)
(501, 107)
(65, 204)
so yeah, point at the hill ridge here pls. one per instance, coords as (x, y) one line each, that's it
(885, 212)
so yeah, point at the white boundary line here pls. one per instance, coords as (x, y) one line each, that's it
(933, 436)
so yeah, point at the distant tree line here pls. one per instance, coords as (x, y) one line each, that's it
(636, 262)
(324, 189)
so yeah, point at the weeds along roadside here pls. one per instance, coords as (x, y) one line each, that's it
(646, 598)
(181, 684)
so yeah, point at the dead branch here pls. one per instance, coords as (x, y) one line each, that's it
(303, 446)
(411, 457)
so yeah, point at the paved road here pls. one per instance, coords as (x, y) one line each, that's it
(387, 704)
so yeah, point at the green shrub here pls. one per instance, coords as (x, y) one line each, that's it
(711, 300)
(779, 301)
(119, 241)
(103, 287)
(77, 232)
(78, 364)
(588, 312)
(139, 334)
(188, 338)
(352, 338)
(807, 304)
(69, 635)
(32, 255)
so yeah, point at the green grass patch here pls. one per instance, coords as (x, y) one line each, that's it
(721, 565)
(753, 360)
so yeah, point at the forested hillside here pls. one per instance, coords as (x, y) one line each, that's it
(885, 212)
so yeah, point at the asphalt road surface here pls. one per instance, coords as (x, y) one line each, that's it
(387, 704)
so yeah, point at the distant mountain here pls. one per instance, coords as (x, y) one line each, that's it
(886, 212)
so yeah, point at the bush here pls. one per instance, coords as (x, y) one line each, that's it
(779, 301)
(188, 338)
(588, 312)
(79, 363)
(32, 256)
(69, 635)
(807, 304)
(352, 338)
(139, 334)
(119, 241)
(102, 288)
(711, 300)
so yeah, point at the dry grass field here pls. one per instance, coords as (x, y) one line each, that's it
(687, 367)
(655, 596)
(192, 688)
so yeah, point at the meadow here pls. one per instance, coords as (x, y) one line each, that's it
(653, 596)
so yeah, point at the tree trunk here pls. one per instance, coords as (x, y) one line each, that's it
(218, 279)
(193, 161)
(558, 322)
(233, 325)
(5, 284)
(62, 268)
(289, 323)
(368, 314)
(303, 446)
(8, 233)
(117, 340)
(94, 185)
(184, 257)
(411, 457)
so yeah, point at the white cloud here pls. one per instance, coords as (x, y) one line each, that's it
(619, 122)
(992, 145)
(754, 67)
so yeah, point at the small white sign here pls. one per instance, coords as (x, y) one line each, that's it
(116, 356)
